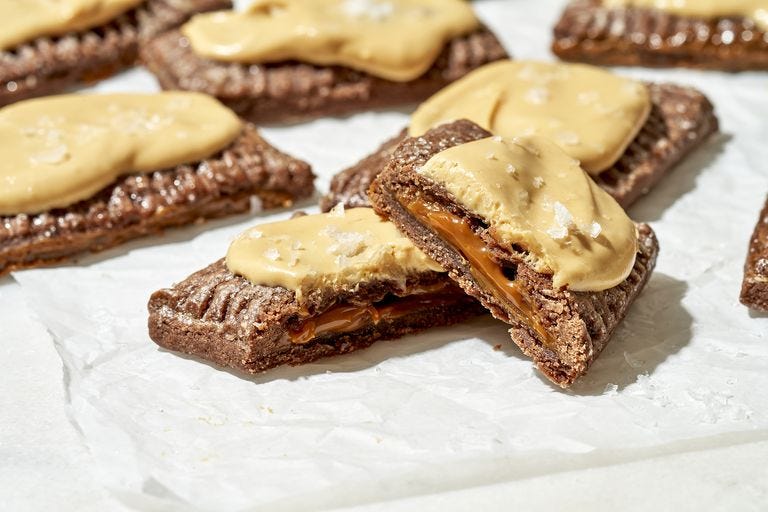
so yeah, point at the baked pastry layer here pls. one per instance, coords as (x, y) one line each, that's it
(593, 33)
(224, 318)
(754, 288)
(249, 173)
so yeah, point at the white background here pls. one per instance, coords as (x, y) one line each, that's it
(673, 415)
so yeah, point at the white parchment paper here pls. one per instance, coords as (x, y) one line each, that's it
(448, 409)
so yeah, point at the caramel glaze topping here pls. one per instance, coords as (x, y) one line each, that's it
(457, 231)
(349, 317)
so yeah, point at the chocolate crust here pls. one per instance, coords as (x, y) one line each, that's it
(51, 64)
(249, 174)
(681, 119)
(754, 288)
(589, 32)
(580, 324)
(223, 318)
(293, 91)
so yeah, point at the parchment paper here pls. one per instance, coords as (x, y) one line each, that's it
(439, 411)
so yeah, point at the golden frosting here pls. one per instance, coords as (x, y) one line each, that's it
(756, 10)
(394, 39)
(62, 149)
(534, 195)
(335, 250)
(25, 20)
(592, 114)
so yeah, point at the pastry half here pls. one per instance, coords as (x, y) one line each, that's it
(291, 292)
(531, 237)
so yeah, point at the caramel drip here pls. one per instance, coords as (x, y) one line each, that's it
(349, 317)
(457, 232)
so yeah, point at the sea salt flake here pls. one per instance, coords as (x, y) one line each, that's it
(272, 254)
(568, 138)
(595, 229)
(254, 234)
(497, 138)
(371, 9)
(511, 169)
(538, 182)
(346, 244)
(337, 211)
(586, 98)
(562, 216)
(537, 95)
(53, 155)
(558, 233)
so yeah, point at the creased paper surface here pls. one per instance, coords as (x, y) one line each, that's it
(438, 411)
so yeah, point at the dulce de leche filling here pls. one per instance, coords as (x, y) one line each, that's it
(531, 194)
(349, 317)
(490, 275)
(334, 251)
(590, 113)
(396, 40)
(63, 149)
